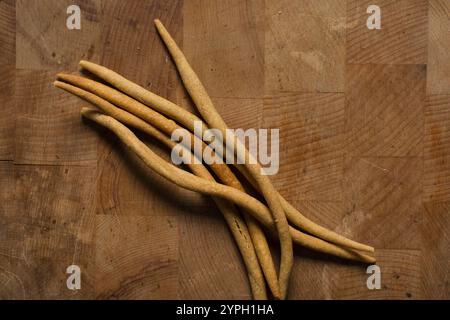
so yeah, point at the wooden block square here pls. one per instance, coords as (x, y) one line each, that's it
(36, 96)
(384, 201)
(7, 112)
(131, 46)
(12, 250)
(240, 113)
(436, 184)
(305, 46)
(225, 40)
(136, 257)
(55, 140)
(45, 43)
(49, 128)
(402, 38)
(436, 250)
(308, 278)
(201, 271)
(7, 68)
(51, 229)
(7, 203)
(384, 110)
(438, 75)
(7, 33)
(311, 144)
(399, 280)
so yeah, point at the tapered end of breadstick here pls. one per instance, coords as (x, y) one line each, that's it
(63, 76)
(365, 258)
(157, 22)
(86, 110)
(88, 65)
(366, 248)
(350, 244)
(84, 63)
(94, 68)
(159, 26)
(62, 85)
(71, 79)
(90, 113)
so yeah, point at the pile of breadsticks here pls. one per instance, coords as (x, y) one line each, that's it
(123, 104)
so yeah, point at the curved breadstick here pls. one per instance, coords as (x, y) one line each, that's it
(232, 217)
(189, 181)
(303, 223)
(206, 108)
(173, 111)
(294, 216)
(148, 98)
(221, 170)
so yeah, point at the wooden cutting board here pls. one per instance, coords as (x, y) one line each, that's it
(364, 119)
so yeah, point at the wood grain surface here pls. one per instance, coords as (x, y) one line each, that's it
(364, 119)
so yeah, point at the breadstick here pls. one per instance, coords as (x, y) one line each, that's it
(168, 126)
(189, 181)
(234, 221)
(232, 217)
(303, 223)
(187, 119)
(213, 119)
(293, 214)
(148, 98)
(239, 231)
(307, 241)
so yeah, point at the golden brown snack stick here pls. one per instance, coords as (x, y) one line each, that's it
(237, 225)
(206, 108)
(303, 223)
(234, 221)
(100, 94)
(188, 181)
(294, 216)
(148, 98)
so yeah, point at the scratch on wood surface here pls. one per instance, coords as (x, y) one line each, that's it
(12, 256)
(25, 256)
(15, 276)
(374, 165)
(75, 249)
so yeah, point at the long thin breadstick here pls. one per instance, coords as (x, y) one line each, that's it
(305, 240)
(232, 217)
(206, 108)
(264, 184)
(168, 126)
(303, 223)
(239, 231)
(188, 181)
(132, 89)
(293, 214)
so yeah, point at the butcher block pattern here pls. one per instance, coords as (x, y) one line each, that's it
(364, 120)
